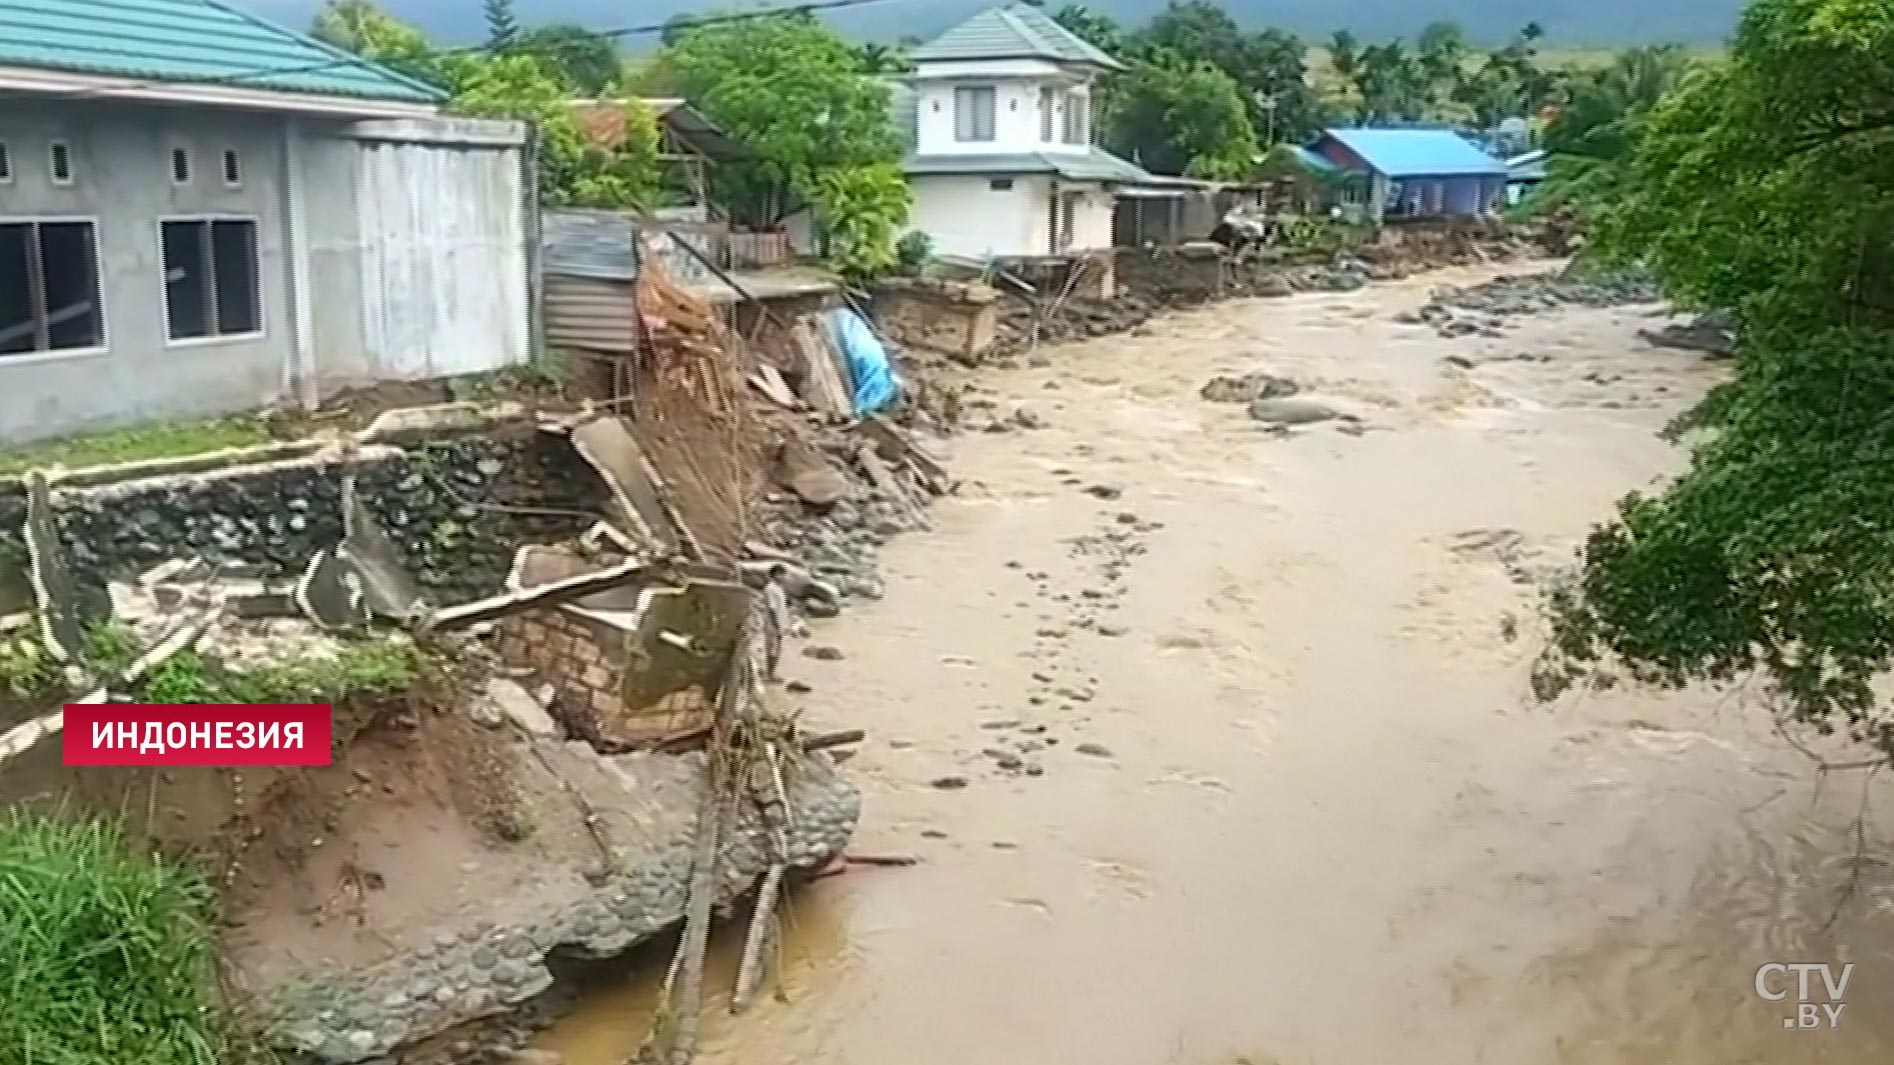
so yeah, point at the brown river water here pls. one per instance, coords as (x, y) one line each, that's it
(1324, 823)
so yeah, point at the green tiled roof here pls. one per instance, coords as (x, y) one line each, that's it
(1094, 165)
(1016, 31)
(189, 42)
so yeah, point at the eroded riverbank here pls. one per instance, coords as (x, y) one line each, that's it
(1316, 817)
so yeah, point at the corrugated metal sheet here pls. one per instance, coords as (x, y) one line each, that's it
(1400, 153)
(608, 245)
(444, 275)
(590, 313)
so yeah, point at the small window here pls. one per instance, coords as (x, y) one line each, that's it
(180, 166)
(233, 168)
(59, 155)
(974, 113)
(49, 288)
(1000, 184)
(212, 286)
(6, 164)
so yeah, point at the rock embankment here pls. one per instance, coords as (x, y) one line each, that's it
(1483, 310)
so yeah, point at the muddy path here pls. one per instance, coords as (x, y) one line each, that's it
(1250, 767)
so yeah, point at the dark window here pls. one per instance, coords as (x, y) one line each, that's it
(49, 287)
(211, 285)
(60, 158)
(233, 168)
(6, 163)
(1000, 184)
(974, 113)
(180, 166)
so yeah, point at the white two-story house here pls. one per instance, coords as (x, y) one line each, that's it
(1000, 115)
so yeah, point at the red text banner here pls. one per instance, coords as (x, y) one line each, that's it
(227, 734)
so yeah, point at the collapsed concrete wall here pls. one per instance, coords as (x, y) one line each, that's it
(456, 506)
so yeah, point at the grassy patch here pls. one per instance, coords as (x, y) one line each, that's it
(105, 953)
(367, 668)
(142, 443)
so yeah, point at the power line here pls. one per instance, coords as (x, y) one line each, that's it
(350, 59)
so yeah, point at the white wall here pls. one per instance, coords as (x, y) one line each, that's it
(966, 216)
(1017, 125)
(1091, 219)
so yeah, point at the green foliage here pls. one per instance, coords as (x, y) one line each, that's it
(366, 668)
(913, 251)
(139, 444)
(27, 669)
(1268, 66)
(1760, 186)
(1097, 28)
(502, 27)
(1178, 116)
(1590, 141)
(792, 91)
(860, 210)
(532, 77)
(362, 27)
(107, 952)
(589, 61)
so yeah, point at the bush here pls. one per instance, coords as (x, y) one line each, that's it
(105, 954)
(912, 252)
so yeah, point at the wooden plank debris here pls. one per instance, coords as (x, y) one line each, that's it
(900, 449)
(542, 595)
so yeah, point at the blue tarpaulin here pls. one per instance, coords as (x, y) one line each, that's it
(870, 377)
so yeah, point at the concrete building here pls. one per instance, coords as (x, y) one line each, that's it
(1413, 173)
(1003, 156)
(201, 213)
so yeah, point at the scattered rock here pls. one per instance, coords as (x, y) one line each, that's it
(1105, 491)
(949, 783)
(1247, 388)
(822, 652)
(1111, 630)
(1096, 750)
(1293, 411)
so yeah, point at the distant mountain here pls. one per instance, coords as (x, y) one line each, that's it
(1568, 23)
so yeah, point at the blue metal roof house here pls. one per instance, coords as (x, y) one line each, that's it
(1416, 173)
(202, 212)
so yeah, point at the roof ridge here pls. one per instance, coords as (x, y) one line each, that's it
(1019, 26)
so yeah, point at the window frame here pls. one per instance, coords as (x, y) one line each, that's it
(104, 346)
(6, 162)
(231, 161)
(992, 114)
(262, 329)
(181, 152)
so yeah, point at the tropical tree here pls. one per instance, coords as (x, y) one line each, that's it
(878, 58)
(1591, 139)
(793, 91)
(361, 27)
(1760, 186)
(1095, 27)
(588, 60)
(1269, 67)
(502, 26)
(1180, 116)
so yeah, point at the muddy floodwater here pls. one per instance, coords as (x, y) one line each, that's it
(1293, 804)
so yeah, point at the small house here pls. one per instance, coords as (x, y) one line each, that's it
(1003, 158)
(203, 213)
(1524, 172)
(1415, 173)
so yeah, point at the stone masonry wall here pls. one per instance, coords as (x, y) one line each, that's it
(456, 508)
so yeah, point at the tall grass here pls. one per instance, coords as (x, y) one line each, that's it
(105, 953)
